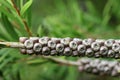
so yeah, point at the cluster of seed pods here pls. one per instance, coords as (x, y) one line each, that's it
(71, 47)
(99, 67)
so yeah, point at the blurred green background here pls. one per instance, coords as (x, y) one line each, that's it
(54, 18)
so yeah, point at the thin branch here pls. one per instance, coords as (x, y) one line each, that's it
(24, 22)
(61, 61)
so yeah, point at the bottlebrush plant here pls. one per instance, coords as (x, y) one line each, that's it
(74, 28)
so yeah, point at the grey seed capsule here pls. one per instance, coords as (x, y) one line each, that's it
(81, 49)
(111, 53)
(29, 51)
(67, 51)
(51, 44)
(103, 50)
(23, 39)
(43, 40)
(114, 73)
(107, 69)
(89, 52)
(81, 68)
(77, 40)
(84, 61)
(53, 52)
(60, 47)
(75, 53)
(56, 40)
(73, 45)
(28, 44)
(45, 51)
(97, 54)
(100, 41)
(87, 42)
(23, 51)
(109, 42)
(116, 47)
(95, 71)
(65, 41)
(112, 64)
(37, 47)
(117, 55)
(34, 39)
(88, 68)
(95, 46)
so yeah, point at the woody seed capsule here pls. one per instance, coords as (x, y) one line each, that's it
(53, 52)
(95, 46)
(89, 52)
(109, 42)
(59, 47)
(37, 47)
(51, 44)
(81, 49)
(116, 47)
(75, 53)
(23, 39)
(43, 40)
(45, 51)
(103, 50)
(23, 51)
(111, 53)
(67, 51)
(29, 51)
(65, 41)
(28, 44)
(34, 39)
(73, 45)
(87, 42)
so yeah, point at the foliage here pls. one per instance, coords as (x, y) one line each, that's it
(58, 18)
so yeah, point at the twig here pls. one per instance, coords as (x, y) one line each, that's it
(24, 22)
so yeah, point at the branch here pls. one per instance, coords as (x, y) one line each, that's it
(24, 22)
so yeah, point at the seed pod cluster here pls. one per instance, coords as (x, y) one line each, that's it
(99, 67)
(71, 47)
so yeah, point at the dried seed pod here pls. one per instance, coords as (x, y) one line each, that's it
(59, 47)
(111, 53)
(81, 49)
(103, 50)
(75, 53)
(95, 46)
(34, 39)
(56, 40)
(73, 45)
(117, 55)
(43, 40)
(37, 47)
(45, 51)
(23, 51)
(87, 42)
(116, 47)
(88, 68)
(89, 52)
(109, 42)
(51, 44)
(28, 44)
(67, 51)
(77, 40)
(100, 41)
(97, 54)
(53, 52)
(23, 39)
(30, 51)
(65, 41)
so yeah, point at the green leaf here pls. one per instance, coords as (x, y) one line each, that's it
(25, 7)
(9, 28)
